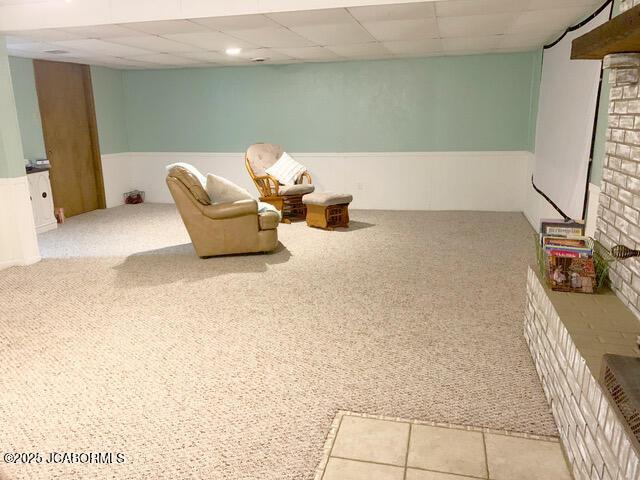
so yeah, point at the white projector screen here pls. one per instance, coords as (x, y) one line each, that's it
(566, 116)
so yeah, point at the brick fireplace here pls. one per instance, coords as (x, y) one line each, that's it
(618, 219)
(568, 334)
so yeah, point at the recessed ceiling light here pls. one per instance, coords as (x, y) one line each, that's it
(233, 51)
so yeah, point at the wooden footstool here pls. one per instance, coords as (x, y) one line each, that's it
(327, 210)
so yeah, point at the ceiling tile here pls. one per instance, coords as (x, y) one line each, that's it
(464, 8)
(471, 44)
(405, 29)
(236, 22)
(524, 40)
(550, 4)
(44, 35)
(390, 30)
(32, 46)
(12, 39)
(475, 25)
(406, 11)
(16, 2)
(154, 44)
(309, 53)
(115, 62)
(164, 59)
(268, 53)
(166, 27)
(342, 33)
(270, 37)
(550, 20)
(358, 50)
(210, 40)
(312, 17)
(101, 47)
(425, 47)
(207, 56)
(101, 31)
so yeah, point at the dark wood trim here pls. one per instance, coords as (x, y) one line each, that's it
(90, 116)
(93, 128)
(621, 34)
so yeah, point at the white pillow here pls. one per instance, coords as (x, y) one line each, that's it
(221, 190)
(267, 207)
(286, 170)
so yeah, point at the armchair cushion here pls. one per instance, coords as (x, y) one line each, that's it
(220, 211)
(261, 156)
(299, 189)
(286, 170)
(191, 178)
(221, 190)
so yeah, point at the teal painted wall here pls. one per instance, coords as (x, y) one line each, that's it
(24, 89)
(481, 102)
(109, 101)
(11, 155)
(534, 97)
(108, 94)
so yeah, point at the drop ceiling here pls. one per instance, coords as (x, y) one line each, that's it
(445, 27)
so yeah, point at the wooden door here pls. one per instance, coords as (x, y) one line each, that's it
(68, 116)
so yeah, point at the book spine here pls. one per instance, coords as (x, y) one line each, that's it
(549, 230)
(565, 253)
(569, 249)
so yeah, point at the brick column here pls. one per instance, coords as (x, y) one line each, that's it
(619, 206)
(627, 4)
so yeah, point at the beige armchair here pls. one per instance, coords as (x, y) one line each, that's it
(224, 228)
(286, 198)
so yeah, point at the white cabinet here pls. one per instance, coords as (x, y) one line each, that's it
(41, 201)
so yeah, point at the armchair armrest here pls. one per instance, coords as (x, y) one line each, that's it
(306, 175)
(267, 185)
(219, 211)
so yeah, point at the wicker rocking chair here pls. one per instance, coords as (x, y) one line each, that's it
(286, 198)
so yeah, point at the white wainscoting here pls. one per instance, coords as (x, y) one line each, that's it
(491, 181)
(18, 242)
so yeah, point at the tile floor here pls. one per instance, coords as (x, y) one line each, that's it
(361, 447)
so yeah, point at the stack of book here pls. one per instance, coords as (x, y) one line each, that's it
(568, 256)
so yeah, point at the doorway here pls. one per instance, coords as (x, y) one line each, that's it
(65, 97)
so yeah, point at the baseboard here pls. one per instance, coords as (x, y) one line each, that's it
(46, 228)
(491, 181)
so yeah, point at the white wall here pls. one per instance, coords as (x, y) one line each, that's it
(492, 181)
(592, 210)
(535, 206)
(18, 243)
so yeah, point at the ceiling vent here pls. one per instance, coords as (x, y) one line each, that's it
(56, 52)
(259, 59)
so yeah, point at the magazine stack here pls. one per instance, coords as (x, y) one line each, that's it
(568, 256)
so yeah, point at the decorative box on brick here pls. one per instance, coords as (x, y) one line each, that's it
(570, 262)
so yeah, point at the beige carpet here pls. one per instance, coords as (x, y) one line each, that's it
(122, 340)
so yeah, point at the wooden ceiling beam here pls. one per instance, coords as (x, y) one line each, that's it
(621, 34)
